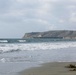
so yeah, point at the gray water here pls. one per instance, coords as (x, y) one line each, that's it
(16, 56)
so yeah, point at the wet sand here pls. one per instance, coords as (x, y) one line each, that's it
(55, 68)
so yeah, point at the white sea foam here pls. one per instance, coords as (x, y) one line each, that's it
(22, 40)
(35, 46)
(3, 60)
(31, 54)
(5, 41)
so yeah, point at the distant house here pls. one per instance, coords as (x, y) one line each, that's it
(39, 35)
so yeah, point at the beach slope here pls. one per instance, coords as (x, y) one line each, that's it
(56, 68)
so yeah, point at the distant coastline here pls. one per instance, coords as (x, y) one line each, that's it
(62, 34)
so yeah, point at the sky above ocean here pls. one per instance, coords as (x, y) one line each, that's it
(21, 16)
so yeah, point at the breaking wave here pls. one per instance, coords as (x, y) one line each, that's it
(3, 41)
(35, 46)
(12, 41)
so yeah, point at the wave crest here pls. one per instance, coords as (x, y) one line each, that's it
(35, 46)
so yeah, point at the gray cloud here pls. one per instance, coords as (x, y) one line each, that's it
(20, 16)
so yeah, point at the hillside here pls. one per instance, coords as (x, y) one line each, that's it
(66, 34)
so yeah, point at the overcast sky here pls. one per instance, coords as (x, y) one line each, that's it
(21, 16)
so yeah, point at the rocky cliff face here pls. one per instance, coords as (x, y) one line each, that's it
(59, 33)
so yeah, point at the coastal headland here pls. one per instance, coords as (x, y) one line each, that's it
(61, 34)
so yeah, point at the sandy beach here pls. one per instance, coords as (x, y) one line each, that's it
(55, 68)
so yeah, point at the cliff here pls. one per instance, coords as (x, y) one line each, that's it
(66, 34)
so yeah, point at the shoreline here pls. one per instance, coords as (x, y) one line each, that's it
(52, 68)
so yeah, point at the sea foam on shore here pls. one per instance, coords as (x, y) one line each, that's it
(16, 57)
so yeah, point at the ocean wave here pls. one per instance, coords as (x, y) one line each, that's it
(12, 41)
(3, 41)
(22, 41)
(35, 46)
(13, 59)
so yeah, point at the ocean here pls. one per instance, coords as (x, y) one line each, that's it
(20, 54)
